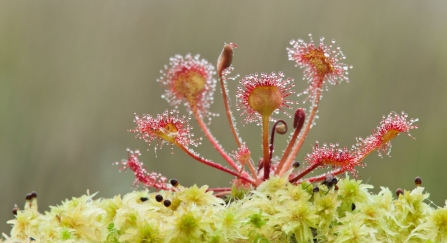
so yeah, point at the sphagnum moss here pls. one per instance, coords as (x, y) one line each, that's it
(289, 214)
(273, 200)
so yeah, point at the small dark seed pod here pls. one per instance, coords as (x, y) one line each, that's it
(28, 196)
(327, 183)
(296, 164)
(14, 210)
(336, 187)
(167, 203)
(159, 198)
(316, 189)
(399, 191)
(328, 180)
(144, 199)
(353, 206)
(174, 182)
(418, 181)
(334, 181)
(33, 194)
(31, 238)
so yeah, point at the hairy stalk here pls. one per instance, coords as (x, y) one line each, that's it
(215, 165)
(323, 176)
(306, 130)
(213, 140)
(304, 172)
(253, 170)
(220, 194)
(230, 119)
(265, 146)
(333, 172)
(229, 114)
(219, 189)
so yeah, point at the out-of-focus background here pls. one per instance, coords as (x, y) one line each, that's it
(72, 73)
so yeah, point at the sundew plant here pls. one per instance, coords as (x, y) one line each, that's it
(273, 197)
(189, 80)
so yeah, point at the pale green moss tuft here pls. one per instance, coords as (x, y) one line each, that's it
(276, 211)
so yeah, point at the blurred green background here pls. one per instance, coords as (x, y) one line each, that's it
(72, 73)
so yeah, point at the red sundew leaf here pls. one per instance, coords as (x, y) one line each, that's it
(321, 64)
(189, 80)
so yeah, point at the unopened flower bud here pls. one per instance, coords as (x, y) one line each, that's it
(159, 198)
(329, 179)
(167, 203)
(299, 118)
(225, 58)
(281, 129)
(15, 209)
(174, 182)
(334, 181)
(418, 181)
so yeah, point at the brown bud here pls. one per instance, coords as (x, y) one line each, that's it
(334, 181)
(174, 182)
(159, 198)
(281, 129)
(299, 118)
(28, 196)
(328, 180)
(14, 210)
(399, 191)
(225, 58)
(167, 203)
(296, 164)
(353, 206)
(316, 189)
(418, 181)
(144, 199)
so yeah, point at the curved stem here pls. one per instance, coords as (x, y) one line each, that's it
(211, 138)
(306, 130)
(215, 165)
(274, 130)
(265, 146)
(297, 124)
(228, 113)
(272, 136)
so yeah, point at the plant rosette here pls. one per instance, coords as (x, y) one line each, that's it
(272, 198)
